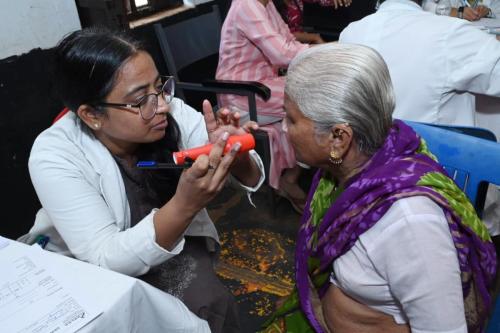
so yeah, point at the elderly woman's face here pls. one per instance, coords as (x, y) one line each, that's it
(310, 148)
(121, 126)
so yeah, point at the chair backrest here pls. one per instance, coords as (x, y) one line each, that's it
(494, 321)
(478, 132)
(190, 49)
(190, 40)
(470, 161)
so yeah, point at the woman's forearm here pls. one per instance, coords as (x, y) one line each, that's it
(246, 170)
(171, 220)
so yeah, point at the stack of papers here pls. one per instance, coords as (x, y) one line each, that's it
(35, 299)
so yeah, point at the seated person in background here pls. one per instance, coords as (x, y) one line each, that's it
(99, 208)
(382, 246)
(255, 45)
(292, 13)
(437, 64)
(484, 8)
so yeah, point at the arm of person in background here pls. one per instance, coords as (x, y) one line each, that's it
(469, 13)
(473, 60)
(279, 48)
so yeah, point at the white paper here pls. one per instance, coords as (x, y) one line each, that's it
(35, 299)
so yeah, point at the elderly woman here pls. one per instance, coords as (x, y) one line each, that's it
(387, 243)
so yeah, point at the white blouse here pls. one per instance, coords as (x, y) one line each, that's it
(406, 266)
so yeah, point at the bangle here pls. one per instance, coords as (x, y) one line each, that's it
(460, 12)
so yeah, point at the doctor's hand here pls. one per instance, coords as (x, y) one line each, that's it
(199, 184)
(226, 121)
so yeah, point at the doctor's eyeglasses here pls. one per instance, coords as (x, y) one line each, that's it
(148, 104)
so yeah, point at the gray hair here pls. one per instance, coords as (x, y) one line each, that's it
(344, 83)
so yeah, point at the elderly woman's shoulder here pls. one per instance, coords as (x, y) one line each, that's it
(418, 211)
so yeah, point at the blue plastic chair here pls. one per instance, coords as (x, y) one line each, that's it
(494, 322)
(471, 156)
(472, 162)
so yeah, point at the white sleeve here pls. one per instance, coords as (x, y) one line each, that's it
(417, 257)
(494, 5)
(473, 60)
(85, 221)
(430, 5)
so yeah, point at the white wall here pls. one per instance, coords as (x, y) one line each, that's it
(29, 24)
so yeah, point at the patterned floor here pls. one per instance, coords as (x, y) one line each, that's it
(256, 261)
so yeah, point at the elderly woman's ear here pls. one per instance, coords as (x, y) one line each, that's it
(341, 137)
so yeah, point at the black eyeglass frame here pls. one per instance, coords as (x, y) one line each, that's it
(166, 98)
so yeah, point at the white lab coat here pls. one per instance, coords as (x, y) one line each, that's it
(435, 62)
(85, 208)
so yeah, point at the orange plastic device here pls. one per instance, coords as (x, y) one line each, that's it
(247, 142)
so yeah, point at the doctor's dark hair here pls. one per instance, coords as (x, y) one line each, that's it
(87, 64)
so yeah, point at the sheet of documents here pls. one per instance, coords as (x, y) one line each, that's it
(35, 299)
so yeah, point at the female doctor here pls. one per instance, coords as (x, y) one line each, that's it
(98, 207)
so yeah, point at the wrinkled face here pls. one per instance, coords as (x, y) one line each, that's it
(122, 126)
(310, 148)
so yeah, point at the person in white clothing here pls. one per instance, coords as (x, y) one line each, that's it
(437, 64)
(100, 208)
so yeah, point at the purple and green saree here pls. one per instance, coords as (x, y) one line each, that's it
(334, 219)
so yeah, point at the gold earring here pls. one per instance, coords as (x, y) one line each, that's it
(334, 159)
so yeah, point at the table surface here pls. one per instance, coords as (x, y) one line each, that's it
(128, 304)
